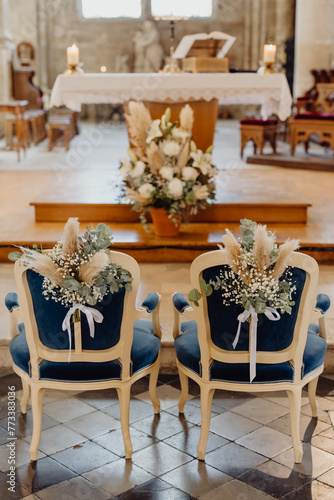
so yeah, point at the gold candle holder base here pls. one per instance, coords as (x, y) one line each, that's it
(74, 69)
(266, 68)
(172, 67)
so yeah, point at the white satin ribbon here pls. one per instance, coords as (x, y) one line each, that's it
(271, 314)
(91, 314)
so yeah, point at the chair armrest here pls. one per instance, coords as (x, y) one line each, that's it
(12, 301)
(151, 302)
(152, 306)
(12, 304)
(322, 305)
(181, 305)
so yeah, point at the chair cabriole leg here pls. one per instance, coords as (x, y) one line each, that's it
(184, 390)
(25, 396)
(124, 407)
(153, 389)
(37, 394)
(295, 397)
(206, 403)
(312, 388)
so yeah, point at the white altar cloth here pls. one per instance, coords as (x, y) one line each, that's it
(271, 91)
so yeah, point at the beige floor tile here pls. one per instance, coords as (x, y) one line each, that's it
(266, 441)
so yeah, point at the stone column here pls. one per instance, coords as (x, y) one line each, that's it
(314, 41)
(285, 19)
(6, 48)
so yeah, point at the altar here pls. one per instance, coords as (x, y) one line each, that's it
(204, 91)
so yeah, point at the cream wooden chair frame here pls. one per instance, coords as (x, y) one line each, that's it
(122, 350)
(209, 351)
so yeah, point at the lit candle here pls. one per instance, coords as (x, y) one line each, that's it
(269, 53)
(72, 55)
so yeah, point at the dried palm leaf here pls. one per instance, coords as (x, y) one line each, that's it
(232, 250)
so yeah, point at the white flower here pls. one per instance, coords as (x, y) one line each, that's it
(170, 148)
(146, 190)
(202, 161)
(189, 174)
(138, 170)
(166, 173)
(201, 192)
(154, 131)
(175, 188)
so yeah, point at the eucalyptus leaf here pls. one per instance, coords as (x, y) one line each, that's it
(13, 256)
(194, 295)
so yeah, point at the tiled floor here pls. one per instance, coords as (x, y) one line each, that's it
(249, 453)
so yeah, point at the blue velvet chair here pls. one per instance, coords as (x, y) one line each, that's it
(290, 352)
(124, 349)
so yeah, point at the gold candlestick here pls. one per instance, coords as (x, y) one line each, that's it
(266, 68)
(73, 69)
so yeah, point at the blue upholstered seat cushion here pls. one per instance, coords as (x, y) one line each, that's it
(144, 352)
(188, 354)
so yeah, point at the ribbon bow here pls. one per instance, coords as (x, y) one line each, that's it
(271, 314)
(91, 314)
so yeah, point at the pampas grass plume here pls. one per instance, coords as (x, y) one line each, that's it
(263, 245)
(232, 249)
(285, 251)
(70, 236)
(139, 120)
(43, 265)
(187, 118)
(154, 157)
(89, 271)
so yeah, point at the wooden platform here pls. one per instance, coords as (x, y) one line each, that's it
(237, 194)
(18, 226)
(288, 161)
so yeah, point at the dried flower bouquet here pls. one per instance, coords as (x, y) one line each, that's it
(164, 168)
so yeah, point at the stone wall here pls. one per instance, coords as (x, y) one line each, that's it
(56, 24)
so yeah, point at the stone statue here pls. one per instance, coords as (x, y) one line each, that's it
(148, 50)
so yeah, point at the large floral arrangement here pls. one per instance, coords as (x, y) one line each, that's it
(78, 269)
(258, 274)
(164, 168)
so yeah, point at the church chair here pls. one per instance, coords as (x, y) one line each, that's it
(124, 349)
(317, 118)
(290, 352)
(259, 131)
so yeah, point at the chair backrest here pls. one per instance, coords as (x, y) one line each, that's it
(325, 97)
(277, 341)
(43, 321)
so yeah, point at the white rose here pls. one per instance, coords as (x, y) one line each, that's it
(146, 190)
(179, 133)
(175, 188)
(189, 174)
(170, 148)
(138, 170)
(166, 173)
(201, 192)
